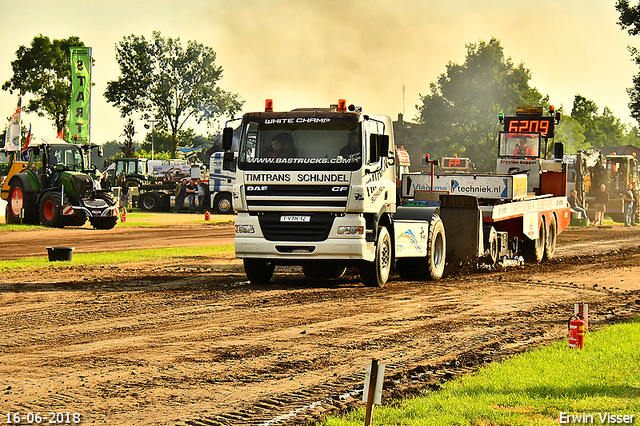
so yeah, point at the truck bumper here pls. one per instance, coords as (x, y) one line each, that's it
(335, 247)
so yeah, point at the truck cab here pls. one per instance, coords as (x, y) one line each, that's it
(314, 187)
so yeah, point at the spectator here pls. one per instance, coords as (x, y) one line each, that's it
(634, 207)
(627, 196)
(201, 191)
(191, 196)
(181, 193)
(124, 193)
(104, 181)
(602, 198)
(573, 202)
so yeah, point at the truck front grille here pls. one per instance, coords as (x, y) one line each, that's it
(325, 198)
(316, 229)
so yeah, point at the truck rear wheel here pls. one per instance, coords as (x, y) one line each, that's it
(533, 250)
(376, 273)
(552, 234)
(259, 271)
(50, 214)
(149, 202)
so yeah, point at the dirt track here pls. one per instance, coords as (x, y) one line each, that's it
(191, 342)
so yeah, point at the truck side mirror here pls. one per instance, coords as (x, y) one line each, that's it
(100, 151)
(379, 147)
(228, 161)
(558, 150)
(383, 145)
(227, 138)
(373, 148)
(36, 150)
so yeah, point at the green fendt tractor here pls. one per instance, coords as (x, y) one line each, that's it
(55, 188)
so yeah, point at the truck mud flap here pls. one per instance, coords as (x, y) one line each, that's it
(462, 220)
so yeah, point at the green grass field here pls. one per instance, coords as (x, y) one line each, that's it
(118, 257)
(535, 388)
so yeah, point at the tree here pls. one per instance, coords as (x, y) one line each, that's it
(44, 70)
(460, 115)
(598, 130)
(128, 149)
(161, 79)
(630, 21)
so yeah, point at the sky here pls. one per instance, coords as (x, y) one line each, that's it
(378, 54)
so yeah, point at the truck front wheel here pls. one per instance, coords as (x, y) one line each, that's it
(223, 203)
(259, 271)
(376, 273)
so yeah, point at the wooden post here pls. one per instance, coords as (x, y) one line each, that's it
(373, 378)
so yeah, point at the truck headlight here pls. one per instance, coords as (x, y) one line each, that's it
(350, 230)
(245, 229)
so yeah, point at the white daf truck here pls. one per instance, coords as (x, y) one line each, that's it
(317, 187)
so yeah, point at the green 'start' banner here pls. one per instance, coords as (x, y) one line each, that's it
(80, 108)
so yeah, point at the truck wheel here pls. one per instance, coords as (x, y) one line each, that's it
(437, 249)
(103, 222)
(552, 234)
(223, 203)
(490, 247)
(50, 214)
(323, 271)
(258, 271)
(376, 273)
(430, 267)
(149, 202)
(533, 250)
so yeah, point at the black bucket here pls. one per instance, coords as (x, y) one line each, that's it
(60, 253)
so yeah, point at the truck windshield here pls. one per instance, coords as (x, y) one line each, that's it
(520, 145)
(69, 156)
(301, 147)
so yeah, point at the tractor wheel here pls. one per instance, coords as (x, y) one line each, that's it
(50, 214)
(376, 273)
(18, 201)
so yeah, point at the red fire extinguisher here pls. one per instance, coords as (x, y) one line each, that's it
(576, 331)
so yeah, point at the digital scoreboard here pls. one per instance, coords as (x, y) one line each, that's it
(455, 163)
(530, 124)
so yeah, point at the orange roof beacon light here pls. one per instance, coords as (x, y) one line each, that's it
(268, 105)
(342, 105)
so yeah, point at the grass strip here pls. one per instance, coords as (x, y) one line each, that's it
(118, 257)
(547, 386)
